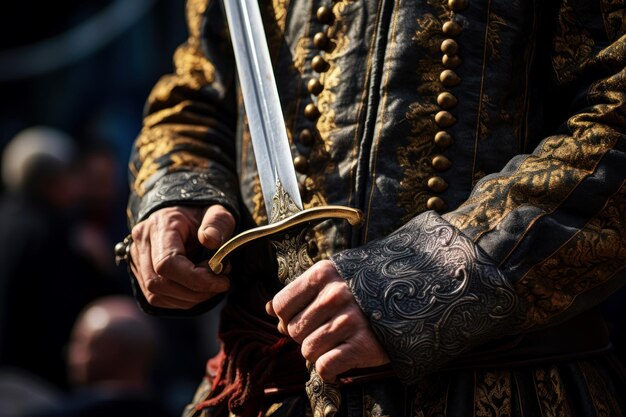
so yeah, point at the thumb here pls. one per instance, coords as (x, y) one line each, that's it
(217, 226)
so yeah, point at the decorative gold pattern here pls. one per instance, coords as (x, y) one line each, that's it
(320, 155)
(494, 41)
(371, 408)
(604, 403)
(325, 397)
(415, 157)
(543, 180)
(573, 44)
(614, 15)
(492, 395)
(588, 259)
(283, 205)
(551, 393)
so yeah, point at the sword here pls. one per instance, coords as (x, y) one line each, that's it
(288, 222)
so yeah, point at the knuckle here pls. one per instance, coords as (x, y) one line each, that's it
(325, 368)
(153, 286)
(307, 349)
(164, 264)
(295, 330)
(153, 299)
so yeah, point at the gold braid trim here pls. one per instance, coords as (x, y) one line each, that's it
(590, 258)
(551, 393)
(492, 395)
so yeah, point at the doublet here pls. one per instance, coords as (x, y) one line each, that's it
(484, 140)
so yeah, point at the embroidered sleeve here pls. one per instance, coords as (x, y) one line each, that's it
(535, 244)
(185, 152)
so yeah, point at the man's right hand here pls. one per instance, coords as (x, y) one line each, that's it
(167, 277)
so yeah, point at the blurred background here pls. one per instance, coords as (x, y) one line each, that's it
(74, 76)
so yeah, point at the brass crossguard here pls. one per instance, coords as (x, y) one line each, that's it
(301, 218)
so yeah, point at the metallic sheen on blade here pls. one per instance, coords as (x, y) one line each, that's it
(260, 97)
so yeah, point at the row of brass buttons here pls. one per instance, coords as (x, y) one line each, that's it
(321, 41)
(446, 101)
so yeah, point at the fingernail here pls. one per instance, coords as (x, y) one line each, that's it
(212, 233)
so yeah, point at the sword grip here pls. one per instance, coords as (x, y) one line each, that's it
(293, 259)
(288, 237)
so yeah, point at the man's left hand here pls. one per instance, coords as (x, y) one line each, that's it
(319, 311)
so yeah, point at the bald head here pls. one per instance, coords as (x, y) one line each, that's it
(112, 343)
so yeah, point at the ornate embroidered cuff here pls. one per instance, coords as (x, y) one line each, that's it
(188, 188)
(430, 294)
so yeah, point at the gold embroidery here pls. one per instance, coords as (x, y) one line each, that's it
(492, 396)
(573, 44)
(371, 408)
(483, 116)
(551, 393)
(587, 260)
(614, 15)
(495, 24)
(259, 214)
(415, 157)
(195, 10)
(301, 54)
(320, 155)
(193, 67)
(604, 403)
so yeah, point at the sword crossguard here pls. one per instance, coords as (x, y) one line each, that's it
(352, 215)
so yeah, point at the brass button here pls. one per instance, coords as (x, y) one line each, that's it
(324, 14)
(457, 5)
(449, 47)
(449, 78)
(320, 40)
(311, 112)
(451, 61)
(447, 100)
(441, 163)
(451, 28)
(314, 86)
(437, 204)
(444, 119)
(306, 137)
(319, 64)
(301, 164)
(443, 139)
(437, 184)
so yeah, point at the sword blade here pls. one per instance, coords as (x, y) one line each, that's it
(260, 97)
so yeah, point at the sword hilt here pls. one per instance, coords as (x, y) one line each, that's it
(299, 219)
(288, 237)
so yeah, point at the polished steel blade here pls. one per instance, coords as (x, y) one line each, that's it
(260, 97)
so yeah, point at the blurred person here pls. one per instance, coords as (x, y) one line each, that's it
(110, 359)
(44, 281)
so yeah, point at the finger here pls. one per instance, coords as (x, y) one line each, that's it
(302, 291)
(334, 299)
(328, 336)
(170, 262)
(157, 291)
(218, 224)
(334, 362)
